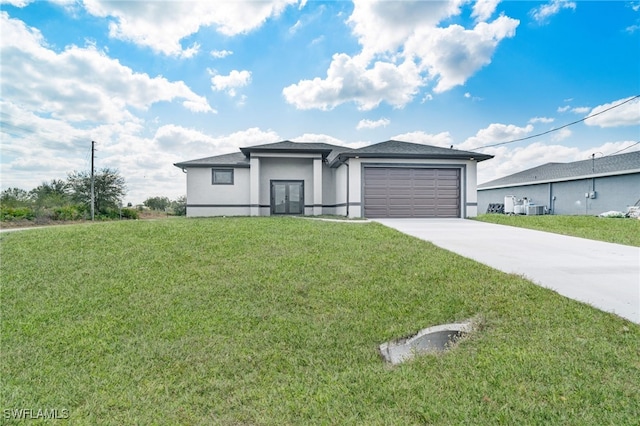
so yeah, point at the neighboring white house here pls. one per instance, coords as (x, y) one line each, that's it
(387, 179)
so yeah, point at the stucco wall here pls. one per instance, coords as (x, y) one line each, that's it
(341, 190)
(206, 199)
(611, 193)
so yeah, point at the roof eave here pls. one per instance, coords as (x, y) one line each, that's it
(201, 165)
(453, 156)
(562, 179)
(325, 152)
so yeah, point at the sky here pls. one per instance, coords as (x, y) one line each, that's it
(158, 82)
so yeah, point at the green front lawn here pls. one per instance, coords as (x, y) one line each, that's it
(613, 230)
(277, 321)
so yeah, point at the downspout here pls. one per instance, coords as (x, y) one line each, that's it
(347, 188)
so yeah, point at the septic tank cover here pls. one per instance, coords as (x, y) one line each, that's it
(431, 339)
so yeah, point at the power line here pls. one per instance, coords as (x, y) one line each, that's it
(557, 128)
(623, 149)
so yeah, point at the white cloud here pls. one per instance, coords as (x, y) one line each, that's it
(161, 25)
(218, 54)
(403, 49)
(442, 139)
(318, 137)
(580, 110)
(452, 55)
(541, 120)
(468, 95)
(561, 134)
(627, 114)
(372, 124)
(192, 143)
(231, 82)
(575, 110)
(295, 27)
(349, 80)
(632, 28)
(37, 149)
(427, 97)
(495, 133)
(80, 84)
(384, 26)
(546, 11)
(483, 9)
(17, 3)
(191, 51)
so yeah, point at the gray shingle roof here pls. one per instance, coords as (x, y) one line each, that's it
(334, 153)
(399, 149)
(288, 146)
(614, 164)
(235, 159)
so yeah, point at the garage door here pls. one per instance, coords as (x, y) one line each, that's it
(408, 192)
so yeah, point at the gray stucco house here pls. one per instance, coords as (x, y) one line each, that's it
(387, 179)
(587, 187)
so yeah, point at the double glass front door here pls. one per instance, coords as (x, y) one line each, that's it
(287, 197)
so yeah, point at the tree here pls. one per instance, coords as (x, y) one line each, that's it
(15, 197)
(109, 188)
(53, 194)
(179, 206)
(157, 203)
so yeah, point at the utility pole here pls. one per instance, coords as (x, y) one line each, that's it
(93, 195)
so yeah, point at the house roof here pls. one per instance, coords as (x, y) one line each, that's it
(288, 146)
(553, 172)
(236, 159)
(399, 149)
(335, 154)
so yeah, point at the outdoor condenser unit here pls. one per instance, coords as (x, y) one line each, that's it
(535, 210)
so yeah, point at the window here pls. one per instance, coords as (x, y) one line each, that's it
(222, 177)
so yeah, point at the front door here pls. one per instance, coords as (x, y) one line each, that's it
(287, 197)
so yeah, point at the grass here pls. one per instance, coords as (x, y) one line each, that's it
(613, 230)
(277, 321)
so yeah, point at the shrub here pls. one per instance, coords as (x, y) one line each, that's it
(16, 213)
(130, 213)
(70, 212)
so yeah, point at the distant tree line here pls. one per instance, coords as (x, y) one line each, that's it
(70, 199)
(163, 204)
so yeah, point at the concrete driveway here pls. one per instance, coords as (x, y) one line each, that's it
(604, 275)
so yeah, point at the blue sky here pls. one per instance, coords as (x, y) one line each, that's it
(154, 83)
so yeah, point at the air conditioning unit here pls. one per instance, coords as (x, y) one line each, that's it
(534, 210)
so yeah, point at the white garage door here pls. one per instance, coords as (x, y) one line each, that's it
(411, 192)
